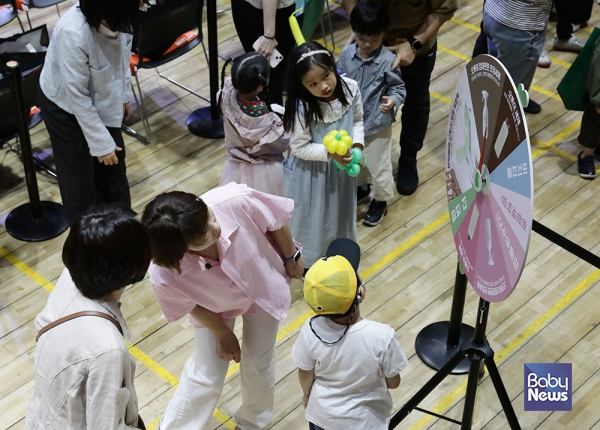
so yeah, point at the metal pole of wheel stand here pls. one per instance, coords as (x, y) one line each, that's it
(207, 121)
(438, 342)
(37, 220)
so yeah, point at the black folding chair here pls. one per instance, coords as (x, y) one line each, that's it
(8, 12)
(19, 48)
(158, 34)
(40, 4)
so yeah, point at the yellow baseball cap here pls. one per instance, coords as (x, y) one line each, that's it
(330, 285)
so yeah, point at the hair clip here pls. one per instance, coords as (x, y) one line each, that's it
(311, 53)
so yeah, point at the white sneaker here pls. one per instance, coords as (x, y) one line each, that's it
(544, 62)
(572, 45)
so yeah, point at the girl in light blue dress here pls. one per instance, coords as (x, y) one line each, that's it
(318, 101)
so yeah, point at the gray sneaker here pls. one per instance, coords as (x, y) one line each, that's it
(573, 44)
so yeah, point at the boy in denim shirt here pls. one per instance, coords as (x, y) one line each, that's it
(369, 63)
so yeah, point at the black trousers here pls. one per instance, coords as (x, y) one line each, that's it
(589, 136)
(415, 111)
(248, 22)
(84, 182)
(571, 12)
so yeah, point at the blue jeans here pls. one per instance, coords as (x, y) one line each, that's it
(518, 50)
(311, 426)
(415, 111)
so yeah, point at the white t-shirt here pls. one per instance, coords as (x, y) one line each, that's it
(349, 391)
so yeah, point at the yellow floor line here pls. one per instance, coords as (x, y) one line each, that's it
(466, 58)
(440, 97)
(560, 62)
(26, 269)
(545, 92)
(454, 53)
(288, 329)
(135, 351)
(566, 300)
(466, 24)
(477, 29)
(562, 134)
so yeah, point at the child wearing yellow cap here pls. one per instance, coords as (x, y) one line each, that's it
(346, 363)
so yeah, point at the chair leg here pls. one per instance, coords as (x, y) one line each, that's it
(57, 10)
(142, 107)
(20, 23)
(205, 54)
(131, 132)
(44, 166)
(28, 20)
(16, 148)
(330, 25)
(189, 90)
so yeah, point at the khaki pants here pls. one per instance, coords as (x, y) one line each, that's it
(378, 151)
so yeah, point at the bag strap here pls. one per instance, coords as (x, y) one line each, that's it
(77, 315)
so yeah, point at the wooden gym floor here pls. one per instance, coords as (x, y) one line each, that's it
(408, 261)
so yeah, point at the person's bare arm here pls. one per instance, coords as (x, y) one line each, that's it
(266, 43)
(404, 52)
(228, 346)
(285, 242)
(306, 378)
(349, 5)
(393, 382)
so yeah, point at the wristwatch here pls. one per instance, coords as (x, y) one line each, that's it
(415, 44)
(294, 258)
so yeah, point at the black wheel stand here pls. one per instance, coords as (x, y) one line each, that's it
(479, 352)
(438, 342)
(208, 121)
(34, 221)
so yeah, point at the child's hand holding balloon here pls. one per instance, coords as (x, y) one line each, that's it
(338, 144)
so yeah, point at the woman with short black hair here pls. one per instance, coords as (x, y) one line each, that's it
(85, 88)
(83, 370)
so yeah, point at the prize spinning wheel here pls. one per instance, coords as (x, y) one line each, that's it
(489, 178)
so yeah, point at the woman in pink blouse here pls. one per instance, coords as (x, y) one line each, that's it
(224, 254)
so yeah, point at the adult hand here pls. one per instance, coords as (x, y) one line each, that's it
(342, 159)
(265, 46)
(126, 111)
(404, 55)
(305, 400)
(295, 270)
(387, 105)
(110, 159)
(228, 347)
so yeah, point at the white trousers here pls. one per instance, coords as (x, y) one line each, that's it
(378, 150)
(204, 374)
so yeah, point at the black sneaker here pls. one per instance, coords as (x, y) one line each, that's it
(586, 167)
(533, 107)
(377, 210)
(407, 180)
(364, 193)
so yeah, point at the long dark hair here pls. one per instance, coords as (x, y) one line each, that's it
(248, 72)
(296, 92)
